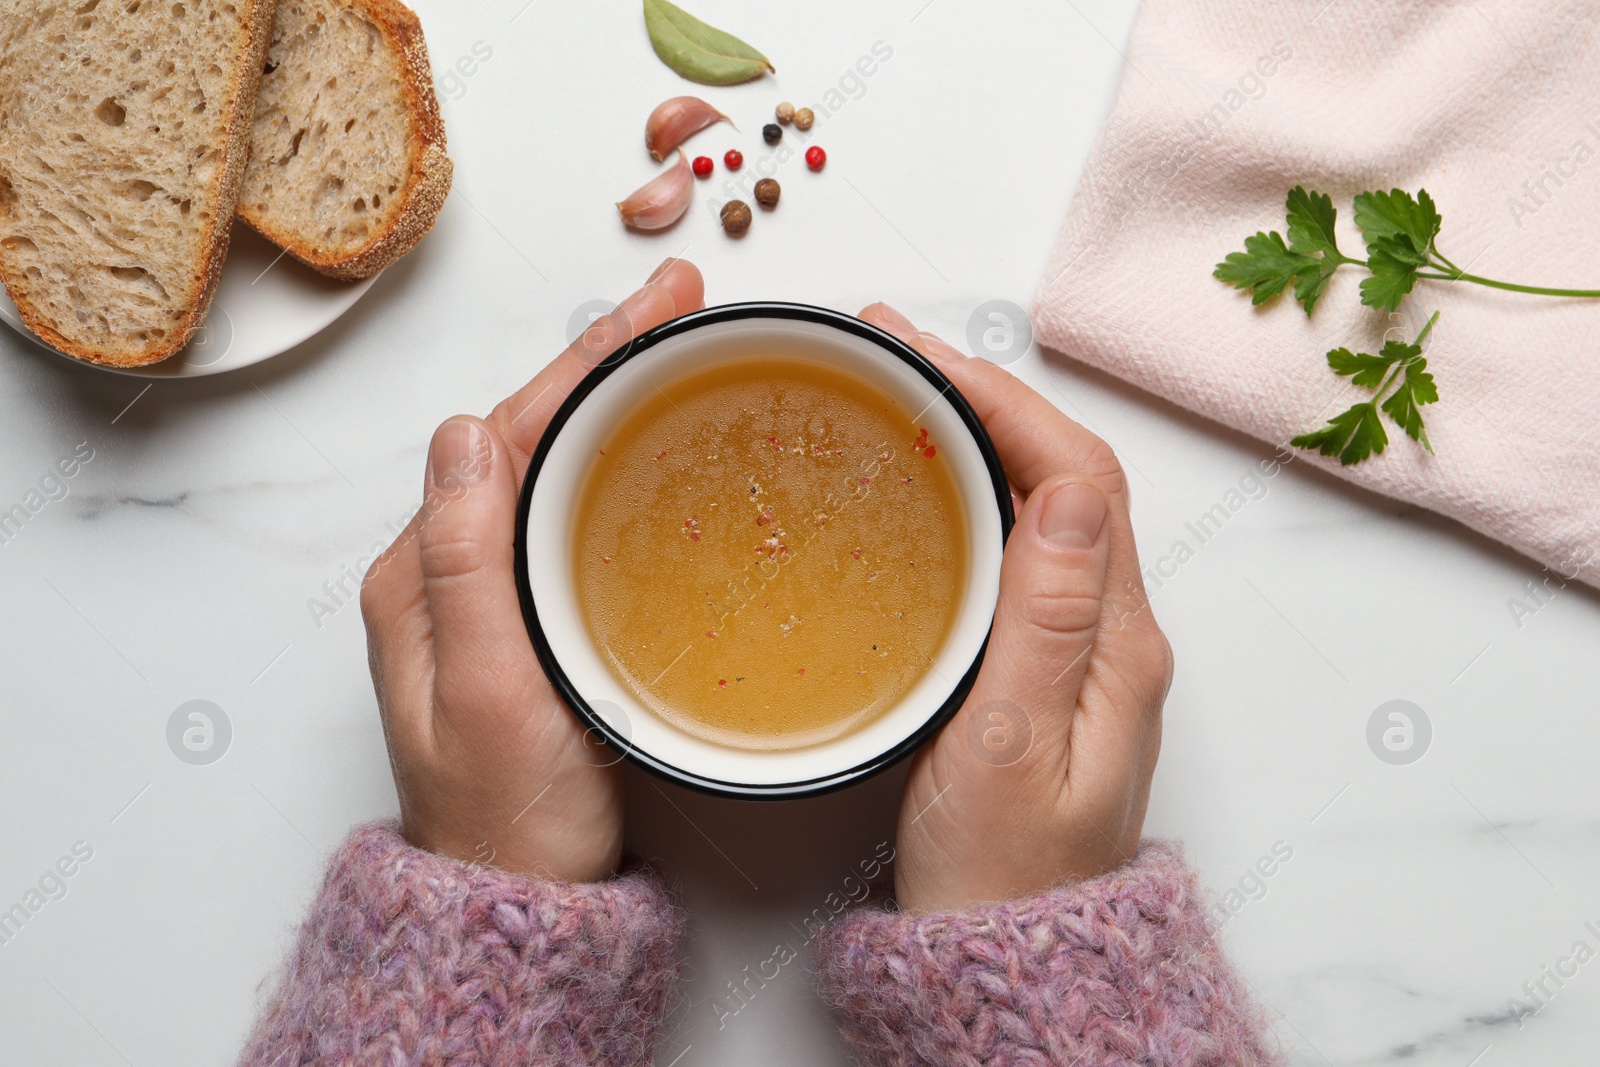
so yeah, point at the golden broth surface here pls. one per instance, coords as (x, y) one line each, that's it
(769, 553)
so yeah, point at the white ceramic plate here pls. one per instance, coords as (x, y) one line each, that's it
(266, 303)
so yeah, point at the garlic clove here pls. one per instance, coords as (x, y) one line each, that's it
(673, 121)
(661, 201)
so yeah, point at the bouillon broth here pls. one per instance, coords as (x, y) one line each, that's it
(769, 553)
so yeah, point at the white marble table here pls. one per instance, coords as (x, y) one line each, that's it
(1417, 901)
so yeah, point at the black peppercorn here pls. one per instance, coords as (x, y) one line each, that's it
(772, 133)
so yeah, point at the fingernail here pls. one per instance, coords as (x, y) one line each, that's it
(461, 454)
(666, 264)
(893, 317)
(1074, 516)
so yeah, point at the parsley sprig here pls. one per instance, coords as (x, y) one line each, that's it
(1401, 384)
(1400, 232)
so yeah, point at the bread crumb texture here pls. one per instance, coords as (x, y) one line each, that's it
(123, 135)
(348, 168)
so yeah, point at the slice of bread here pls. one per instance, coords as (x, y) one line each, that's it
(348, 170)
(124, 133)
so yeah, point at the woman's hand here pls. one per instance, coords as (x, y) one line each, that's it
(1043, 776)
(489, 765)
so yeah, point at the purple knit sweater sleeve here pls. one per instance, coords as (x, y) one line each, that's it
(1122, 969)
(411, 958)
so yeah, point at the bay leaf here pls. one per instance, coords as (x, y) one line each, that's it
(700, 52)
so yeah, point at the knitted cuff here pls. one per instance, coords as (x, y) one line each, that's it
(409, 957)
(1120, 969)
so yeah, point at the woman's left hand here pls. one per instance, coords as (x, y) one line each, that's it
(1043, 776)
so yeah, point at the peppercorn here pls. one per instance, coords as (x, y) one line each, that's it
(816, 157)
(767, 191)
(735, 217)
(785, 112)
(772, 133)
(702, 166)
(804, 118)
(734, 159)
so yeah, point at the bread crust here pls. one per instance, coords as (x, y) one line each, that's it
(429, 175)
(243, 87)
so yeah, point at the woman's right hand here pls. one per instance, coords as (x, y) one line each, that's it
(1043, 776)
(489, 765)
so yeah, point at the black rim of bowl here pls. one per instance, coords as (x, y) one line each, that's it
(645, 342)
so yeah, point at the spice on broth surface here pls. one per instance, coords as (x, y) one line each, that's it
(770, 553)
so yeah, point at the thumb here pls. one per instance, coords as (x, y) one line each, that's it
(1051, 583)
(466, 553)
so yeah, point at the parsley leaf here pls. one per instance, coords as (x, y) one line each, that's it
(1352, 435)
(1380, 215)
(1393, 263)
(1399, 247)
(1311, 217)
(1361, 368)
(1415, 389)
(1265, 267)
(1309, 258)
(1308, 285)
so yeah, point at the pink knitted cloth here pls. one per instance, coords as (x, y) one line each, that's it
(1492, 105)
(1123, 969)
(409, 958)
